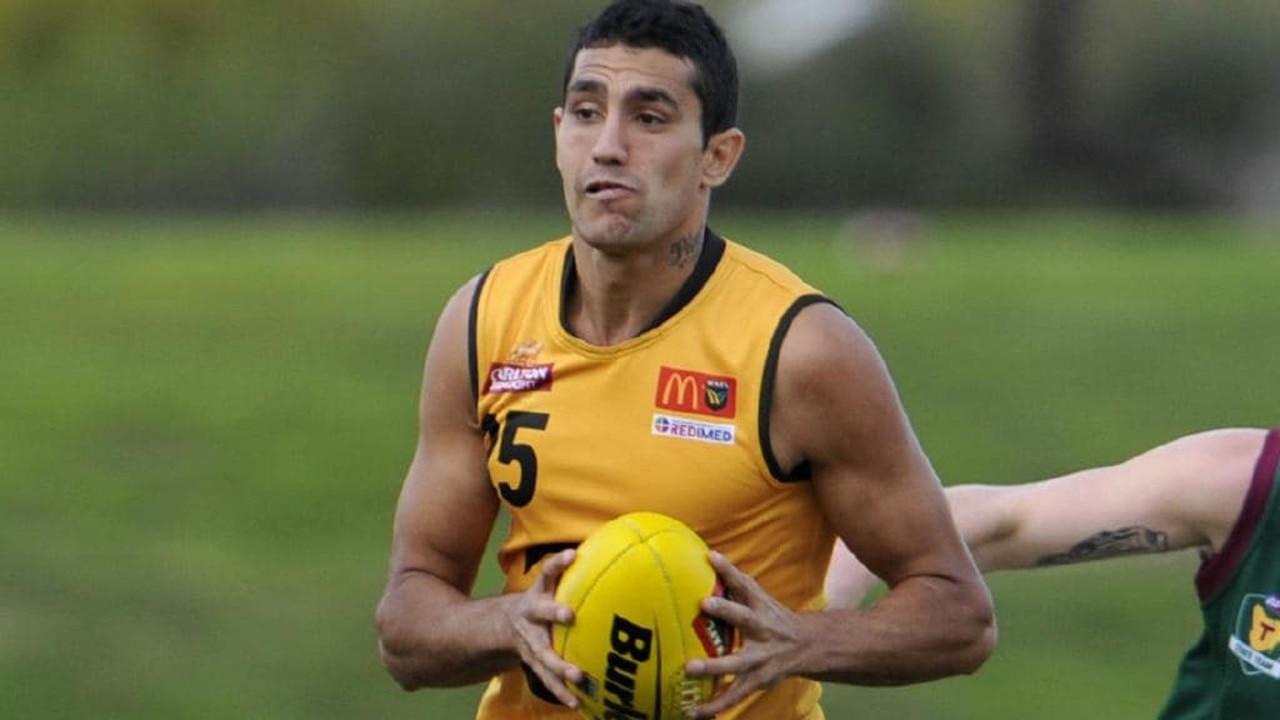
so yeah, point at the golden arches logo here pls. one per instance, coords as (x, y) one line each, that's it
(684, 386)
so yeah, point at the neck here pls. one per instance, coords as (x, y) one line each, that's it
(617, 297)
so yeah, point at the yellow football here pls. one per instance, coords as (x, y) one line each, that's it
(635, 589)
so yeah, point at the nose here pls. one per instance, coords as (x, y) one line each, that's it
(611, 144)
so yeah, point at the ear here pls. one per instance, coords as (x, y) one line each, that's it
(721, 156)
(557, 116)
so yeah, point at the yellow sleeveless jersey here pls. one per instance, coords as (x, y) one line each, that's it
(674, 420)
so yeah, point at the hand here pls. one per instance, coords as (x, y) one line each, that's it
(770, 639)
(531, 617)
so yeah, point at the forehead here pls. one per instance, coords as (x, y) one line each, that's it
(620, 67)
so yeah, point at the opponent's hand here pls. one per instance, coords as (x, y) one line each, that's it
(531, 618)
(770, 639)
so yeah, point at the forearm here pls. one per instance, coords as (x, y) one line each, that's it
(432, 635)
(925, 628)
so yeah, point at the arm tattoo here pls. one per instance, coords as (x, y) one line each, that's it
(685, 250)
(1111, 543)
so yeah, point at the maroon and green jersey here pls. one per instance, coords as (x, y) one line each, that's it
(1233, 671)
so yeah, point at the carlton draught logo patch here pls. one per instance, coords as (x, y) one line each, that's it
(521, 372)
(1256, 640)
(694, 392)
(512, 378)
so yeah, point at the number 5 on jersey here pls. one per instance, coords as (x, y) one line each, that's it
(503, 436)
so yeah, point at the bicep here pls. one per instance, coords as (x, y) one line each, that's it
(446, 507)
(840, 412)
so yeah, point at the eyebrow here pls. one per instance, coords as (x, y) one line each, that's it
(654, 95)
(587, 86)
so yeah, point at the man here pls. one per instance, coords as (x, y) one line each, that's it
(645, 363)
(1217, 491)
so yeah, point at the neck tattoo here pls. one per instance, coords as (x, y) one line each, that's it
(685, 250)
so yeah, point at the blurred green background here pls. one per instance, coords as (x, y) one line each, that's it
(342, 104)
(226, 231)
(206, 422)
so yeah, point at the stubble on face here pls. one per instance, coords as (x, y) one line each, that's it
(685, 250)
(641, 102)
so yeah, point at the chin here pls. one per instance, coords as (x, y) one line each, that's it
(606, 232)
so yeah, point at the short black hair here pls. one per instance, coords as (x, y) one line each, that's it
(683, 29)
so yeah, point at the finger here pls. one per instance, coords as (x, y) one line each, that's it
(738, 583)
(544, 611)
(555, 566)
(554, 683)
(731, 611)
(549, 577)
(736, 692)
(736, 664)
(544, 586)
(547, 657)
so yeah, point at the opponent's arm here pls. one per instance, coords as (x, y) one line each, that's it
(836, 407)
(848, 581)
(431, 632)
(1186, 493)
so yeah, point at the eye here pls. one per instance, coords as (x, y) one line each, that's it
(650, 118)
(585, 113)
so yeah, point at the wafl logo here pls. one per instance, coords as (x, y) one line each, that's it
(1256, 641)
(519, 373)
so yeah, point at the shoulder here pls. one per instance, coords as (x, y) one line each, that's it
(510, 281)
(824, 345)
(1225, 456)
(834, 400)
(451, 353)
(459, 305)
(1206, 477)
(765, 271)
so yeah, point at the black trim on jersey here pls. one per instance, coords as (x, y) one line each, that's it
(473, 353)
(713, 247)
(712, 250)
(568, 280)
(802, 471)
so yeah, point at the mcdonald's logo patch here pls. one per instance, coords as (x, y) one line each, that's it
(694, 392)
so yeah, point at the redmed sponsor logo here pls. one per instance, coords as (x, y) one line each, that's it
(510, 378)
(695, 392)
(685, 429)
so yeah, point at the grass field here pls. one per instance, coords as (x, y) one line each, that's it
(205, 423)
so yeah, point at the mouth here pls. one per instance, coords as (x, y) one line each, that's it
(606, 189)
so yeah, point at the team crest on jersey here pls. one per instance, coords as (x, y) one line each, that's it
(1256, 640)
(694, 392)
